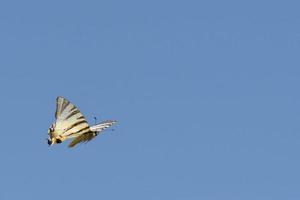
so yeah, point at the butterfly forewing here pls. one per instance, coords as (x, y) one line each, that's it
(69, 120)
(61, 104)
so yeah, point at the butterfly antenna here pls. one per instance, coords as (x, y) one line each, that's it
(95, 118)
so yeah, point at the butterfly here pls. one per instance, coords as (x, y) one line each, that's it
(71, 124)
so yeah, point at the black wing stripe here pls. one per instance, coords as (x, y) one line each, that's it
(74, 108)
(81, 117)
(81, 130)
(76, 124)
(65, 104)
(72, 114)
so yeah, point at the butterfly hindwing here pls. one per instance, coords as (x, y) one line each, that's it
(103, 125)
(86, 137)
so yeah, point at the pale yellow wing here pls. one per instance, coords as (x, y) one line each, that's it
(69, 120)
(86, 137)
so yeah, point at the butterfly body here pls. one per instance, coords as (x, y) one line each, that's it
(70, 123)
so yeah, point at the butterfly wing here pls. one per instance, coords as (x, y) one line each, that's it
(61, 105)
(69, 120)
(103, 125)
(86, 137)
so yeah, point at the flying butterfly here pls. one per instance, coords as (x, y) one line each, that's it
(71, 124)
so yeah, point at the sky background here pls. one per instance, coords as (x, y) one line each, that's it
(206, 95)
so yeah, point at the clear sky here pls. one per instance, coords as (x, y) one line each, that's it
(206, 94)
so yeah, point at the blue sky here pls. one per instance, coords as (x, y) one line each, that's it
(206, 94)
